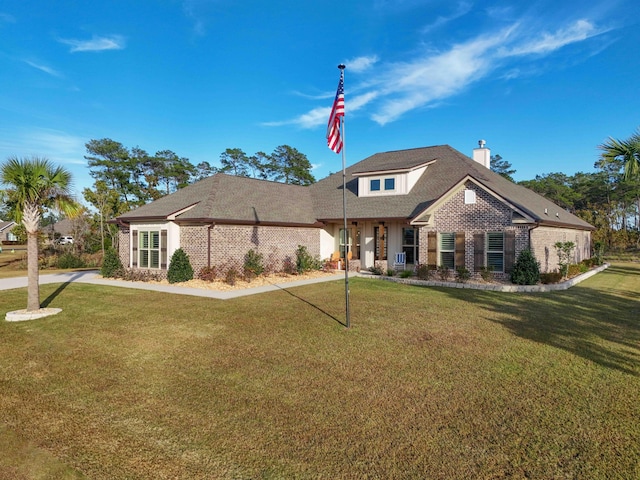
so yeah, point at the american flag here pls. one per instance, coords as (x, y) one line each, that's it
(334, 139)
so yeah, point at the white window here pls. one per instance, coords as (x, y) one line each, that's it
(149, 249)
(495, 251)
(447, 250)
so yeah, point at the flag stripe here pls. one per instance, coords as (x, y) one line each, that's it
(334, 139)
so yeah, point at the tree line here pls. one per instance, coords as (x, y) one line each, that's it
(609, 199)
(126, 178)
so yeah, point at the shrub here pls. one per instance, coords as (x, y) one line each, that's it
(136, 275)
(443, 273)
(231, 276)
(180, 269)
(207, 274)
(424, 272)
(111, 264)
(289, 266)
(551, 277)
(565, 254)
(305, 262)
(462, 275)
(376, 270)
(69, 260)
(390, 272)
(406, 273)
(598, 253)
(573, 270)
(253, 265)
(526, 270)
(486, 273)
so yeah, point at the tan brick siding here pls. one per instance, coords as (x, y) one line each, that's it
(124, 245)
(544, 238)
(229, 244)
(193, 240)
(487, 214)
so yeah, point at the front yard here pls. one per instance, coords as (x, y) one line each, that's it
(428, 383)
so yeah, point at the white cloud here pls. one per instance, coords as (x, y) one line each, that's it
(462, 9)
(549, 42)
(43, 68)
(96, 44)
(394, 89)
(361, 64)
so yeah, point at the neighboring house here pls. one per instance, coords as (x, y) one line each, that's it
(435, 204)
(5, 231)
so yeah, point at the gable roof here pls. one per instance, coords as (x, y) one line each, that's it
(225, 198)
(6, 225)
(446, 168)
(239, 200)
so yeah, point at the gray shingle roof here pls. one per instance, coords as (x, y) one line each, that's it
(226, 198)
(449, 168)
(230, 199)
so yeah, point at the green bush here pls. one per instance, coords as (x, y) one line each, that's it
(69, 260)
(111, 264)
(390, 272)
(405, 273)
(305, 262)
(253, 265)
(573, 270)
(180, 269)
(462, 275)
(526, 270)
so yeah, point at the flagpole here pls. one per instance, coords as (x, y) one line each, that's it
(344, 214)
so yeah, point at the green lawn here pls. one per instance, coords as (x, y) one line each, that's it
(428, 383)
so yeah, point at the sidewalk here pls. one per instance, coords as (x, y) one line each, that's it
(94, 278)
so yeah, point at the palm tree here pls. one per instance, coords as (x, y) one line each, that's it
(33, 185)
(628, 150)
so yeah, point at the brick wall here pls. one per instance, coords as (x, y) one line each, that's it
(124, 246)
(229, 244)
(193, 240)
(487, 214)
(543, 239)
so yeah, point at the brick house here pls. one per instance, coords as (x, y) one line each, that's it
(435, 204)
(5, 231)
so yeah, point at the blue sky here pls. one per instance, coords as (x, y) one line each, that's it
(543, 82)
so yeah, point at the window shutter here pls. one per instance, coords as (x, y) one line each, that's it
(432, 248)
(134, 253)
(163, 249)
(509, 250)
(459, 250)
(478, 251)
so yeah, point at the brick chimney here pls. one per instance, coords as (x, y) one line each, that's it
(482, 155)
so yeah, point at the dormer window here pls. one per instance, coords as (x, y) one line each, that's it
(389, 184)
(397, 181)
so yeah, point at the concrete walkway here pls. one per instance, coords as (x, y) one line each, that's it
(94, 278)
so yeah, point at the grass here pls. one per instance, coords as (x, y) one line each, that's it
(428, 383)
